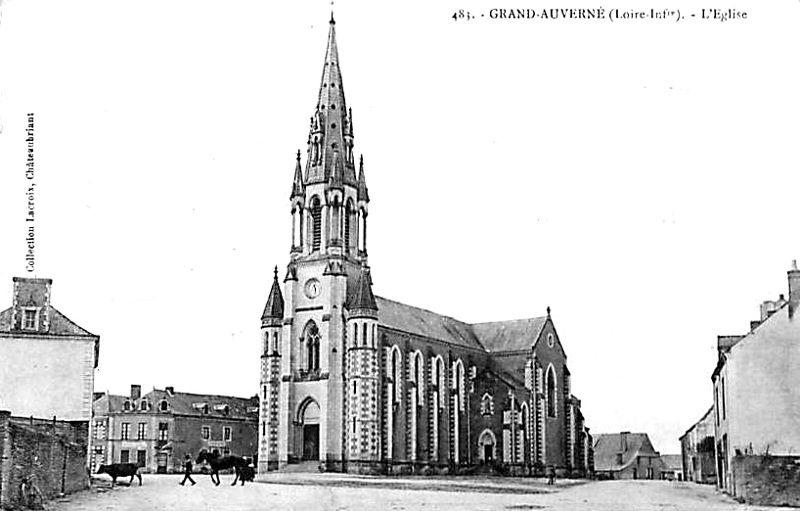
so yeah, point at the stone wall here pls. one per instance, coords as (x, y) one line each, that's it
(46, 457)
(767, 480)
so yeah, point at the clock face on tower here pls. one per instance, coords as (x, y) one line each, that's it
(312, 288)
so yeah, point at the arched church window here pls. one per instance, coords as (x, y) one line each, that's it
(396, 373)
(312, 337)
(316, 224)
(419, 378)
(438, 379)
(458, 383)
(364, 334)
(551, 392)
(487, 404)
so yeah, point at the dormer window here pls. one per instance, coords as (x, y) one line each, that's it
(205, 408)
(164, 406)
(126, 406)
(143, 406)
(30, 319)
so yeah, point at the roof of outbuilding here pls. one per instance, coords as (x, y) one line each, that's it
(608, 445)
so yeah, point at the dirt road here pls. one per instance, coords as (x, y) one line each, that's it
(345, 493)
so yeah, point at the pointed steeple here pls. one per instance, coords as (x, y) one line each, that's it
(362, 300)
(273, 311)
(363, 194)
(330, 130)
(298, 188)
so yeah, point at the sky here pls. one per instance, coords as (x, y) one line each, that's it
(639, 177)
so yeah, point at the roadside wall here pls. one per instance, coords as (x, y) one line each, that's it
(47, 456)
(767, 480)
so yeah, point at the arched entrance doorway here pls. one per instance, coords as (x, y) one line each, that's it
(308, 419)
(486, 443)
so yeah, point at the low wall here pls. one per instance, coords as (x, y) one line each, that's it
(40, 459)
(767, 480)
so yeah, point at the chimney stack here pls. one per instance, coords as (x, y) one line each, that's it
(136, 392)
(794, 288)
(170, 391)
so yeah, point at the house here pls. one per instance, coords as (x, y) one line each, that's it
(48, 361)
(626, 455)
(756, 386)
(159, 428)
(355, 382)
(697, 451)
(672, 469)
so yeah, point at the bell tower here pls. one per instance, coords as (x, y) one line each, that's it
(328, 255)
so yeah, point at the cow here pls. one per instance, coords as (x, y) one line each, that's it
(116, 470)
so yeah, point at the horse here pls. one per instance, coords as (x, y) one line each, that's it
(218, 463)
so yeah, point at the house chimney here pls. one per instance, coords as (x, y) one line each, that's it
(136, 392)
(170, 391)
(794, 288)
(623, 438)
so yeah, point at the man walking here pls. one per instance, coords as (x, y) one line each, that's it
(187, 471)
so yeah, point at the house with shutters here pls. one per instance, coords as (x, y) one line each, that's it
(158, 429)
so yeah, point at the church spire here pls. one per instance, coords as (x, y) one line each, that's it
(330, 125)
(298, 188)
(273, 311)
(363, 194)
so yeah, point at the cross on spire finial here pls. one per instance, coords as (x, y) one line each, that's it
(333, 22)
(276, 272)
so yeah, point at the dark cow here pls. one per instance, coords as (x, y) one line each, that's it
(116, 470)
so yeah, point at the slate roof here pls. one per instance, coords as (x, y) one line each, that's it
(425, 323)
(186, 403)
(672, 461)
(362, 297)
(608, 445)
(519, 334)
(274, 307)
(59, 324)
(496, 336)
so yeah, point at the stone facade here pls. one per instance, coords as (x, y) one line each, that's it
(47, 456)
(767, 480)
(158, 429)
(365, 384)
(697, 451)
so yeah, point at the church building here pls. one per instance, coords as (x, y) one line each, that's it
(365, 384)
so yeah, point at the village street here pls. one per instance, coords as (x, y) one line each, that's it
(344, 492)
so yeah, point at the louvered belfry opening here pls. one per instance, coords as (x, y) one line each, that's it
(316, 225)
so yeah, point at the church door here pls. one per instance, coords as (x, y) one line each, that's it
(310, 442)
(309, 420)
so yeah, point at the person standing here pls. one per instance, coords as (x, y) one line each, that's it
(187, 471)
